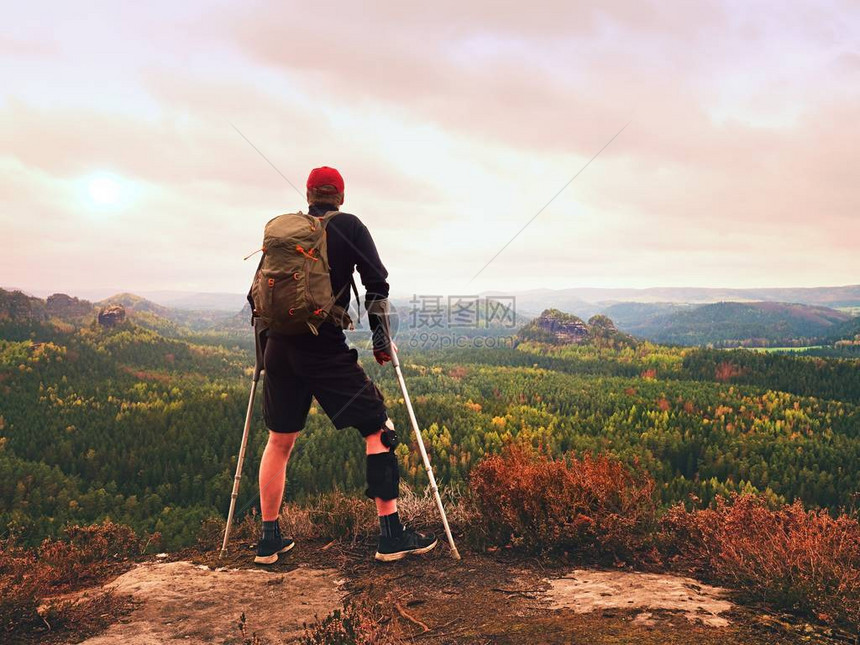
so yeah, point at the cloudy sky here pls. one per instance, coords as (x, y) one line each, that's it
(453, 124)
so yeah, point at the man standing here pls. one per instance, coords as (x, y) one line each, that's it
(301, 366)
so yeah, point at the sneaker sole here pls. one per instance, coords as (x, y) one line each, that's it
(391, 557)
(271, 559)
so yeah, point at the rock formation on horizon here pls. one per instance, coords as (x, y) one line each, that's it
(555, 327)
(65, 306)
(112, 315)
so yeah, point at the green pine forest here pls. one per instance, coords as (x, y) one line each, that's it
(144, 428)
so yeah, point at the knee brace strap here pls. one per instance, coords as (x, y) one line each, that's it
(383, 476)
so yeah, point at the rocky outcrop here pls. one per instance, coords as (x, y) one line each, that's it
(588, 590)
(431, 600)
(555, 327)
(64, 306)
(566, 327)
(182, 602)
(112, 315)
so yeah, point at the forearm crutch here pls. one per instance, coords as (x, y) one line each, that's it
(258, 368)
(395, 362)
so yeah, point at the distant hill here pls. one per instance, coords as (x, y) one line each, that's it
(723, 324)
(585, 302)
(24, 316)
(637, 317)
(845, 331)
(194, 300)
(134, 302)
(17, 306)
(738, 323)
(197, 301)
(200, 325)
(67, 307)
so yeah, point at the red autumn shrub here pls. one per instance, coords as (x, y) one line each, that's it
(726, 371)
(29, 578)
(19, 588)
(804, 561)
(591, 505)
(86, 550)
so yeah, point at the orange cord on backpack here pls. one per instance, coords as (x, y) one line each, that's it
(307, 254)
(263, 250)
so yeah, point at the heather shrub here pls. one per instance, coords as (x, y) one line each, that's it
(85, 551)
(30, 577)
(356, 624)
(797, 559)
(88, 613)
(19, 588)
(251, 639)
(592, 505)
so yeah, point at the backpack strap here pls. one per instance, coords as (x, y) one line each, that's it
(324, 220)
(250, 291)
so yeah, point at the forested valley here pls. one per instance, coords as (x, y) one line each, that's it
(125, 423)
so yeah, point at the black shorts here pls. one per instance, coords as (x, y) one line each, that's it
(324, 367)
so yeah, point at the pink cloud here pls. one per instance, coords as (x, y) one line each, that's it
(459, 117)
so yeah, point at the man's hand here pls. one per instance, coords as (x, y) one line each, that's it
(383, 356)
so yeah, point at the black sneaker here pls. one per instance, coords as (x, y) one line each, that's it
(411, 541)
(268, 550)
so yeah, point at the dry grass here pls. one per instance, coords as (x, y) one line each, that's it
(342, 517)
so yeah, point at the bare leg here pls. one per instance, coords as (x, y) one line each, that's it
(273, 472)
(374, 447)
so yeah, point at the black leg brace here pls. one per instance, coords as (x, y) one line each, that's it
(383, 476)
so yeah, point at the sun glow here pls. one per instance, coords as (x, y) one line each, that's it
(104, 190)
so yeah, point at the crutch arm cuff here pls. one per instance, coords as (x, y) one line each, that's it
(378, 315)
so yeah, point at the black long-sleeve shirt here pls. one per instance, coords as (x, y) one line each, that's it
(349, 247)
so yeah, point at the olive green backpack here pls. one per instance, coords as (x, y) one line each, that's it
(292, 291)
